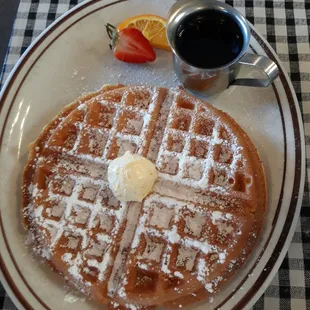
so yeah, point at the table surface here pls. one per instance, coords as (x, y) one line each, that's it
(7, 15)
(286, 25)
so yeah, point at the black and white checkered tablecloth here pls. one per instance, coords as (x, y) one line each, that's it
(286, 25)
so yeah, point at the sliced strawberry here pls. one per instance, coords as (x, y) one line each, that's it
(129, 45)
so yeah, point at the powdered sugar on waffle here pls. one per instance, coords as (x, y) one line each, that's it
(191, 240)
(191, 155)
(182, 166)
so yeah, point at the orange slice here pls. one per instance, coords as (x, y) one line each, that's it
(152, 26)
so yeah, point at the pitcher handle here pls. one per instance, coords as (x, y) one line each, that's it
(263, 64)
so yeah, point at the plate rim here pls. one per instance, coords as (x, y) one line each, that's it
(285, 240)
(282, 242)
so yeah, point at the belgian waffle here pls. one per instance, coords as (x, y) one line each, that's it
(186, 238)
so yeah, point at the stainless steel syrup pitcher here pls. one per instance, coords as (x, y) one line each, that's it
(211, 80)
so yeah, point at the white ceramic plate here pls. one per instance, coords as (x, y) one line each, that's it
(72, 56)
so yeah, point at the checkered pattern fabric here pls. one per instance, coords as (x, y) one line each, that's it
(286, 25)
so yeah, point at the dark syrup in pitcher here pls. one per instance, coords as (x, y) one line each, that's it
(209, 39)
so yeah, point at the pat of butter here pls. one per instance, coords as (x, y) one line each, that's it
(131, 177)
